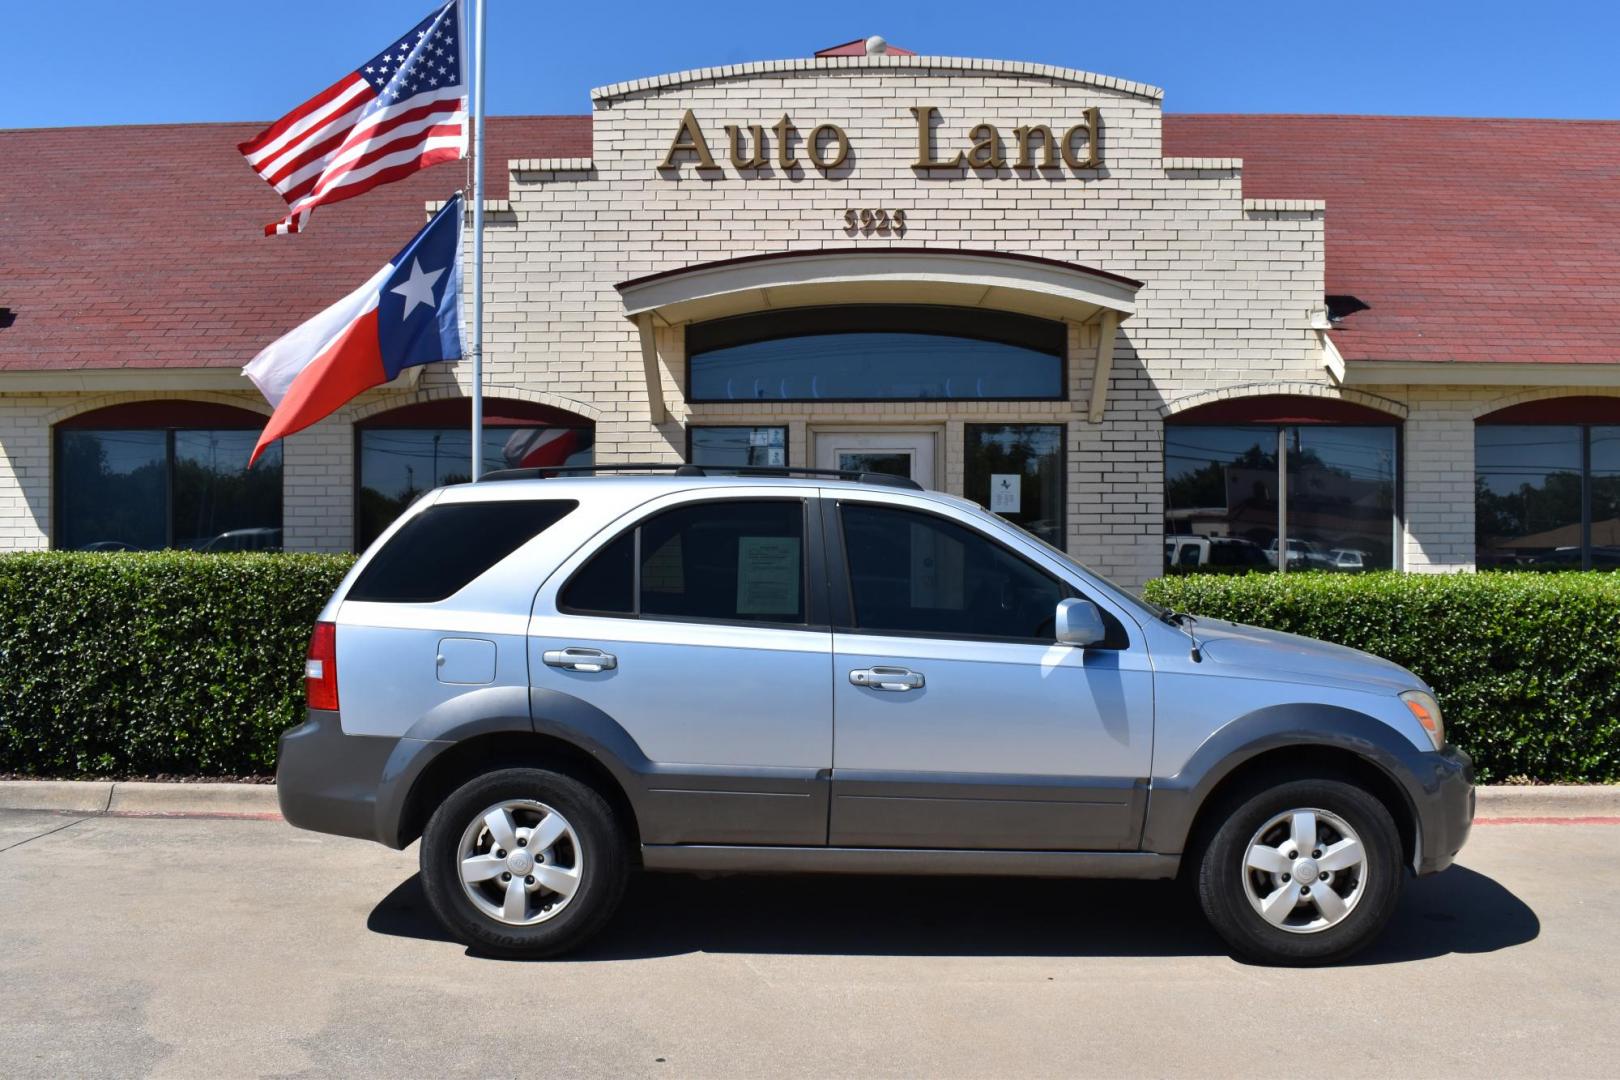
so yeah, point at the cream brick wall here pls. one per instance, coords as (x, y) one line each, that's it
(1227, 294)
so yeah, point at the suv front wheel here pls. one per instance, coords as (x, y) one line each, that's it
(523, 862)
(1306, 872)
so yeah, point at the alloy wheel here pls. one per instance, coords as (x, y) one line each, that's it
(1305, 870)
(520, 862)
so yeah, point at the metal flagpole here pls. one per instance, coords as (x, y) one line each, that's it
(478, 246)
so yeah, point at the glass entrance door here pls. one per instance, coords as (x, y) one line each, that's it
(898, 453)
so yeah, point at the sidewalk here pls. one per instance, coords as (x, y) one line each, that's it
(1498, 805)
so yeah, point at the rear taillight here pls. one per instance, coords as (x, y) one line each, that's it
(320, 669)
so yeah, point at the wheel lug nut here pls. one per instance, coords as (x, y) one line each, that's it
(1293, 854)
(529, 880)
(1285, 877)
(500, 853)
(505, 876)
(522, 842)
(1317, 854)
(1304, 890)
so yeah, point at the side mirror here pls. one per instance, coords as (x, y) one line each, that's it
(1079, 623)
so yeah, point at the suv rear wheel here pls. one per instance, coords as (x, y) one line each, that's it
(523, 862)
(1307, 872)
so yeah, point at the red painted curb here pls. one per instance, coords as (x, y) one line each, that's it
(1547, 821)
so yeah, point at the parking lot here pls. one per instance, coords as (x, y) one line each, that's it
(210, 947)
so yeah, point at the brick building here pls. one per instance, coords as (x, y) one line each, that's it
(1220, 340)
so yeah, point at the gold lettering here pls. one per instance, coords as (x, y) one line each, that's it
(1091, 127)
(925, 141)
(689, 137)
(784, 154)
(813, 146)
(986, 151)
(1025, 136)
(754, 160)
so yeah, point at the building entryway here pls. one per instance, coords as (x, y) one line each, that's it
(899, 453)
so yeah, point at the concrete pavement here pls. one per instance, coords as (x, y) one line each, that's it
(209, 947)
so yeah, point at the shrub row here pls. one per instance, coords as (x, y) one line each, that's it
(181, 663)
(1526, 666)
(132, 665)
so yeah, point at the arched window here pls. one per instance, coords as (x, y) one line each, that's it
(159, 474)
(1547, 485)
(415, 448)
(876, 352)
(1248, 478)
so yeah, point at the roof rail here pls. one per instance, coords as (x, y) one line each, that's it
(677, 469)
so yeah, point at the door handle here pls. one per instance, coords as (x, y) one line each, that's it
(575, 658)
(888, 678)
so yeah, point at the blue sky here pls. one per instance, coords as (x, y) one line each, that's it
(117, 61)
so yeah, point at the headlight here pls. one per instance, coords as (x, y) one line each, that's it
(1427, 711)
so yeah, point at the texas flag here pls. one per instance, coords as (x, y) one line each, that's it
(409, 313)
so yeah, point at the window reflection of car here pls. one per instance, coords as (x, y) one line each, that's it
(1221, 554)
(1349, 559)
(1302, 555)
(109, 545)
(244, 540)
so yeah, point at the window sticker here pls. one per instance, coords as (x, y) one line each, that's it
(1006, 493)
(767, 575)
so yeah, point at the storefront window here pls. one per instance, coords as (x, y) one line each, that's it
(1232, 490)
(128, 488)
(720, 447)
(1016, 470)
(1547, 496)
(411, 450)
(876, 353)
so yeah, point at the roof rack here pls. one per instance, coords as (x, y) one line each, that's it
(676, 469)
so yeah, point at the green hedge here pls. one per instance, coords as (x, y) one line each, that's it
(178, 663)
(164, 663)
(1526, 666)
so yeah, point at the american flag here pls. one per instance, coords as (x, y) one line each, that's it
(402, 110)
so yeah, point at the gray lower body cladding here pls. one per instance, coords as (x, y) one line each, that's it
(356, 785)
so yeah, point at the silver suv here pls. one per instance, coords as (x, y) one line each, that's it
(553, 680)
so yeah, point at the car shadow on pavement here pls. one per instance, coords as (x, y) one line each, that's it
(1459, 911)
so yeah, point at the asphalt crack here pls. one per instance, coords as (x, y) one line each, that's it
(47, 832)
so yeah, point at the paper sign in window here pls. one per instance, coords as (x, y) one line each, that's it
(768, 575)
(1006, 493)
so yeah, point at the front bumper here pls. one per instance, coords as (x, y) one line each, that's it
(327, 781)
(1445, 808)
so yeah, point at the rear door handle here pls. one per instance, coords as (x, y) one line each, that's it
(575, 658)
(888, 678)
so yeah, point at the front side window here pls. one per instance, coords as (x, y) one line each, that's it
(1547, 496)
(1231, 491)
(735, 560)
(876, 353)
(397, 464)
(913, 573)
(142, 489)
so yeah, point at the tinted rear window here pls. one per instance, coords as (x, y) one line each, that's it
(440, 550)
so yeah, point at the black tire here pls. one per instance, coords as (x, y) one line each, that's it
(1221, 874)
(605, 864)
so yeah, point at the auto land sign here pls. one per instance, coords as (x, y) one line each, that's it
(1037, 146)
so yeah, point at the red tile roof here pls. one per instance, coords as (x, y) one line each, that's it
(143, 246)
(1467, 239)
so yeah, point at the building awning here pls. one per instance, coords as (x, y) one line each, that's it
(1026, 284)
